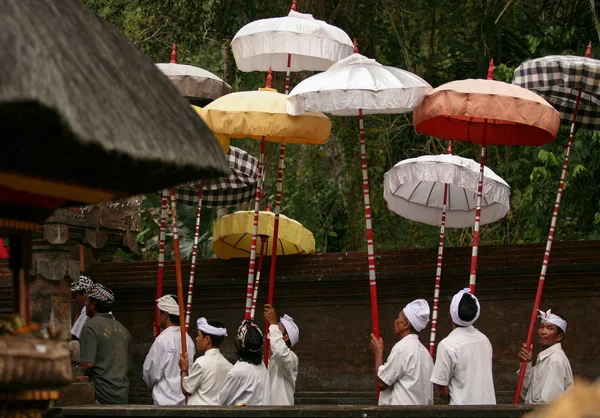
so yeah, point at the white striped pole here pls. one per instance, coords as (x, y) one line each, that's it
(474, 254)
(438, 277)
(369, 228)
(252, 264)
(188, 308)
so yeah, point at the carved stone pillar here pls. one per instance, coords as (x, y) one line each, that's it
(100, 229)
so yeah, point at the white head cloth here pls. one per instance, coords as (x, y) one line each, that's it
(206, 328)
(167, 304)
(417, 313)
(291, 328)
(551, 318)
(454, 308)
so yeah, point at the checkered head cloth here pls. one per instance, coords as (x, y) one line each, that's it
(249, 337)
(82, 284)
(101, 293)
(232, 191)
(557, 78)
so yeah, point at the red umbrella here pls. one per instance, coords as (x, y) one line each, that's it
(486, 112)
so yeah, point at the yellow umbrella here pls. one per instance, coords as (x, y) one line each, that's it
(232, 237)
(262, 115)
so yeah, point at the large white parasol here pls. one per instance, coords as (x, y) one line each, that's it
(354, 86)
(314, 45)
(441, 190)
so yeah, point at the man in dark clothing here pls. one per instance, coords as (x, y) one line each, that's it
(105, 348)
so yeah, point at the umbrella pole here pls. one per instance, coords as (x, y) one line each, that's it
(438, 277)
(161, 255)
(538, 296)
(474, 254)
(263, 241)
(370, 248)
(250, 285)
(188, 308)
(178, 276)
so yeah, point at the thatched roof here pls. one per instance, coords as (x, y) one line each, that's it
(79, 104)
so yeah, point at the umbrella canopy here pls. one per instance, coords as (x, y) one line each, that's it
(254, 114)
(236, 189)
(513, 115)
(414, 189)
(358, 82)
(232, 235)
(267, 43)
(70, 109)
(558, 79)
(195, 83)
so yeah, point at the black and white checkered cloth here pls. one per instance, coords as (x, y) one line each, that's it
(557, 78)
(238, 188)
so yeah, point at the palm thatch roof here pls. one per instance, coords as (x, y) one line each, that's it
(80, 105)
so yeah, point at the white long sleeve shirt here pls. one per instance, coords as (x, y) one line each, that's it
(407, 372)
(464, 364)
(550, 376)
(78, 325)
(246, 383)
(283, 369)
(206, 378)
(161, 370)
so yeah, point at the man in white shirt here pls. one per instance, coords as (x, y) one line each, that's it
(79, 296)
(247, 383)
(283, 362)
(404, 378)
(205, 378)
(552, 373)
(463, 367)
(161, 367)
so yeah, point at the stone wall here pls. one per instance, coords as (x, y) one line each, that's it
(328, 296)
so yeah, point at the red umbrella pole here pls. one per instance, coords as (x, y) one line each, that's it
(161, 255)
(473, 276)
(438, 277)
(178, 276)
(370, 247)
(263, 241)
(251, 267)
(188, 308)
(538, 296)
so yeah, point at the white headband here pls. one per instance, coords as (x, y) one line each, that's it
(204, 326)
(454, 308)
(167, 304)
(551, 318)
(291, 328)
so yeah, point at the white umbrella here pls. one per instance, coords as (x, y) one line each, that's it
(195, 83)
(355, 86)
(296, 42)
(267, 43)
(441, 190)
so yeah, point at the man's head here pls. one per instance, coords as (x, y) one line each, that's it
(100, 300)
(552, 329)
(210, 334)
(168, 311)
(78, 290)
(412, 319)
(249, 342)
(464, 308)
(289, 329)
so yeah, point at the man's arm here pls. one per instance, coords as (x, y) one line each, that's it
(88, 346)
(377, 348)
(152, 370)
(443, 370)
(184, 372)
